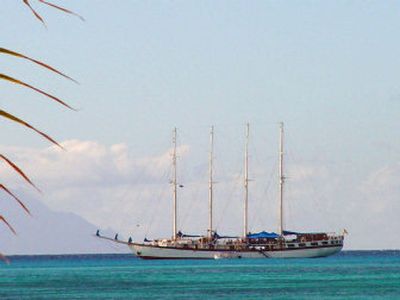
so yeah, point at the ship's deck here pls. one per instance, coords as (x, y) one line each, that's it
(264, 244)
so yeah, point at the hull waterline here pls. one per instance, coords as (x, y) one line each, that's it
(155, 252)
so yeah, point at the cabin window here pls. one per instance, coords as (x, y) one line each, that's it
(290, 245)
(314, 244)
(324, 243)
(302, 245)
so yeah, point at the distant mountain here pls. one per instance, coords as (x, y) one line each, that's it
(49, 232)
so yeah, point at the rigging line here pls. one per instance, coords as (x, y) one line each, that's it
(229, 197)
(191, 195)
(182, 194)
(253, 157)
(182, 169)
(264, 196)
(288, 206)
(132, 182)
(161, 195)
(115, 204)
(138, 198)
(221, 168)
(290, 188)
(138, 183)
(233, 180)
(193, 208)
(126, 217)
(156, 212)
(197, 198)
(316, 197)
(148, 202)
(151, 200)
(258, 207)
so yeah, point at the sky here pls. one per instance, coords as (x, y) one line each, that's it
(329, 70)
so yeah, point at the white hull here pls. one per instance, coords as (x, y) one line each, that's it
(155, 252)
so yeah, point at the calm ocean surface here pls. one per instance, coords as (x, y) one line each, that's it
(349, 275)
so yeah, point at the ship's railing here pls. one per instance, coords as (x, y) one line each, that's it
(333, 234)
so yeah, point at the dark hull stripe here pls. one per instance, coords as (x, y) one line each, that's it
(158, 257)
(227, 250)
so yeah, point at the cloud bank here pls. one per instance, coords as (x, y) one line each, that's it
(110, 187)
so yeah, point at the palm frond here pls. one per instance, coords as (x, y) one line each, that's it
(19, 171)
(16, 81)
(62, 9)
(8, 224)
(16, 54)
(22, 122)
(3, 258)
(15, 198)
(34, 12)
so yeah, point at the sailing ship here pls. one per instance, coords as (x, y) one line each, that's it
(283, 244)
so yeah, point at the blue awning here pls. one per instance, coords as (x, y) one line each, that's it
(263, 235)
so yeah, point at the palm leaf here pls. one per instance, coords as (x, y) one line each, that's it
(22, 122)
(16, 54)
(62, 9)
(52, 5)
(8, 224)
(3, 258)
(34, 12)
(15, 198)
(19, 171)
(16, 81)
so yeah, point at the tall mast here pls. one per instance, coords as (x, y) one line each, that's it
(246, 182)
(281, 179)
(210, 184)
(174, 184)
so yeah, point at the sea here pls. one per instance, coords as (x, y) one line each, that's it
(347, 275)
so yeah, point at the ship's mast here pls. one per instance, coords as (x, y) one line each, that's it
(281, 179)
(210, 184)
(246, 182)
(174, 185)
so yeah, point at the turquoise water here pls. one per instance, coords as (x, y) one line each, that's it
(349, 275)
